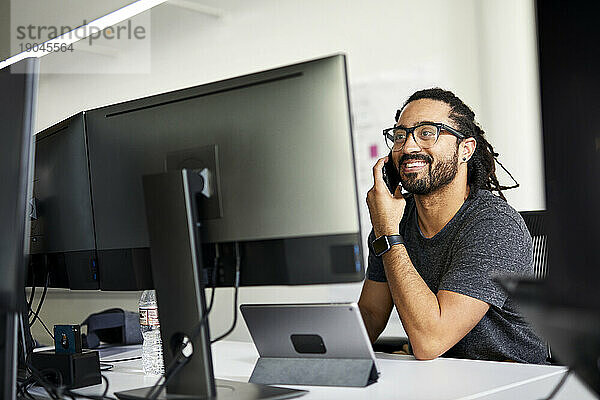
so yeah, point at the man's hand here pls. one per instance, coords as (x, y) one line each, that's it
(385, 209)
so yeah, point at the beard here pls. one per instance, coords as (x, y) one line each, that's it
(438, 174)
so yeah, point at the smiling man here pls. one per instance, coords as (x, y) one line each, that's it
(434, 252)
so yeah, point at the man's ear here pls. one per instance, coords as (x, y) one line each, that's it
(468, 148)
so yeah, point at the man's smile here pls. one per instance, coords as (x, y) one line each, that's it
(412, 166)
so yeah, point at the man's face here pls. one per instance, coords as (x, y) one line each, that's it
(423, 171)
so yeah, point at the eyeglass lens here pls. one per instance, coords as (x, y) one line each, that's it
(424, 135)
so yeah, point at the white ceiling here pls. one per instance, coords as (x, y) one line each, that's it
(61, 12)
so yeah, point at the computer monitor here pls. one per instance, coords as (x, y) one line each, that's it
(567, 310)
(18, 89)
(261, 168)
(280, 144)
(63, 243)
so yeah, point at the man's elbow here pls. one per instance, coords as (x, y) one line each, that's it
(427, 349)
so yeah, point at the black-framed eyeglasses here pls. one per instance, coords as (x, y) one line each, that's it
(425, 134)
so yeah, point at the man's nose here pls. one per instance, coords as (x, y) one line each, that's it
(411, 146)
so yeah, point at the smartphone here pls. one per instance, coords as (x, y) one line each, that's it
(390, 174)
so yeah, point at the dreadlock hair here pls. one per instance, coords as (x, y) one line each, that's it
(481, 170)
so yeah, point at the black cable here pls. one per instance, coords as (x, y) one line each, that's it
(157, 390)
(31, 296)
(46, 328)
(121, 360)
(105, 366)
(206, 313)
(58, 391)
(22, 387)
(51, 389)
(39, 307)
(560, 384)
(235, 300)
(213, 283)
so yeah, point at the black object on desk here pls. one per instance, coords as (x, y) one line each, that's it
(114, 326)
(77, 369)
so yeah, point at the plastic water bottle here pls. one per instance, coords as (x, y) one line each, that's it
(152, 357)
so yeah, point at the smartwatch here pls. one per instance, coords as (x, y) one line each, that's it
(384, 243)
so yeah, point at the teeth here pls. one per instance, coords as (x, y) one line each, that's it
(415, 164)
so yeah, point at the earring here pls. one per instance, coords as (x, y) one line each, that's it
(464, 158)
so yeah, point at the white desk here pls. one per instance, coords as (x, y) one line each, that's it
(402, 377)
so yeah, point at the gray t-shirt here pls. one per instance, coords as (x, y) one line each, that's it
(486, 237)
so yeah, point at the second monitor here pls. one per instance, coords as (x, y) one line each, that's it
(278, 146)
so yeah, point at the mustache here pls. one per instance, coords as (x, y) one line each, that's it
(415, 157)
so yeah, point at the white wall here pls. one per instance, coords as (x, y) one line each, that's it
(510, 104)
(435, 42)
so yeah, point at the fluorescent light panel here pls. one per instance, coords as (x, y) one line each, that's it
(84, 31)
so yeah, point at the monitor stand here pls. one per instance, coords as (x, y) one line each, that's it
(225, 390)
(174, 228)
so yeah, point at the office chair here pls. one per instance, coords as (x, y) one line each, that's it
(536, 224)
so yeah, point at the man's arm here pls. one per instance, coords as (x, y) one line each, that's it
(375, 306)
(433, 322)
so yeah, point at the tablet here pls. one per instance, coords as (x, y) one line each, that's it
(331, 330)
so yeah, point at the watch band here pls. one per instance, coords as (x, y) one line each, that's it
(384, 243)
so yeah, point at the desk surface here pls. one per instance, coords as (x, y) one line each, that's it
(402, 377)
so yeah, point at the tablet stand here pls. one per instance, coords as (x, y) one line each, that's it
(314, 371)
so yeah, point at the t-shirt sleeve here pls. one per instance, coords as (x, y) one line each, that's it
(488, 248)
(375, 269)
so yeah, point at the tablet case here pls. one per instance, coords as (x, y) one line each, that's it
(310, 344)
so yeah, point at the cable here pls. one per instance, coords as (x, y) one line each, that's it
(157, 390)
(53, 391)
(37, 316)
(105, 366)
(23, 342)
(32, 294)
(122, 360)
(39, 307)
(213, 285)
(46, 328)
(22, 387)
(235, 301)
(560, 384)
